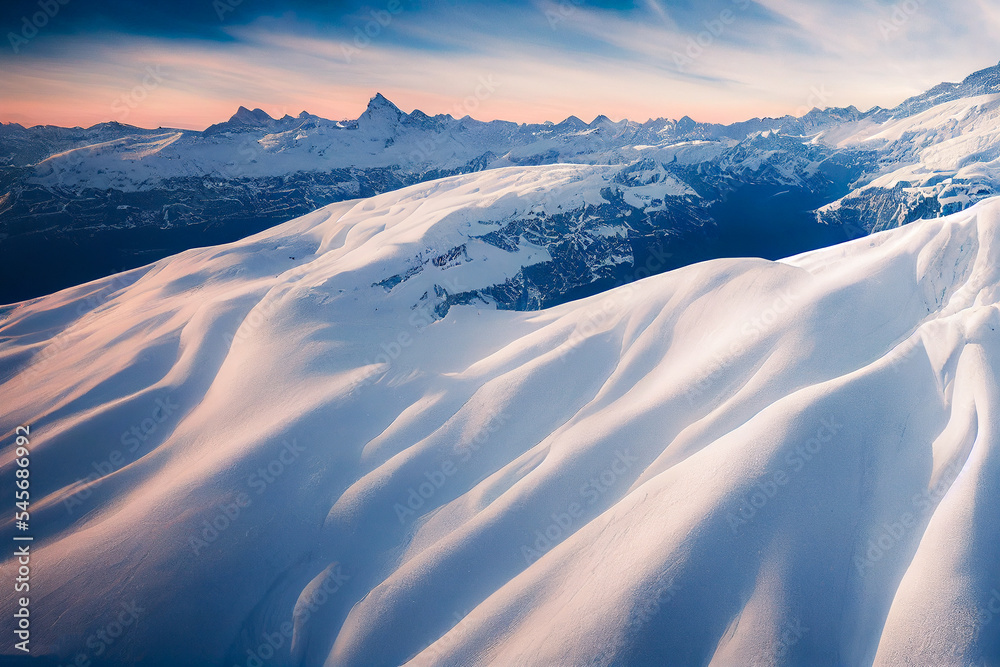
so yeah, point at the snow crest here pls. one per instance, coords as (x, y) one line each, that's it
(737, 462)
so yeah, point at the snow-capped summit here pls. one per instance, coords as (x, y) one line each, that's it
(604, 124)
(982, 82)
(852, 171)
(246, 117)
(246, 121)
(380, 118)
(379, 101)
(737, 462)
(936, 154)
(571, 123)
(242, 121)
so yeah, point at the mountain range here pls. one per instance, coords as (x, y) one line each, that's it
(605, 393)
(114, 197)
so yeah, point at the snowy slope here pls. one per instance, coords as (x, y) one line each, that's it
(938, 153)
(948, 154)
(737, 462)
(73, 193)
(253, 145)
(114, 197)
(933, 155)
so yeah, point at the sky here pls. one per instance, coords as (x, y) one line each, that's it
(191, 63)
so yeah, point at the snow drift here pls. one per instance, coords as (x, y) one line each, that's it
(271, 455)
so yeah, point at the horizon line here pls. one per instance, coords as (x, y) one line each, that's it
(446, 115)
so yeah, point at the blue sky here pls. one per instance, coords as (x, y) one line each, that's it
(191, 63)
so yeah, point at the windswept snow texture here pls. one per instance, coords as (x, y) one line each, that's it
(738, 462)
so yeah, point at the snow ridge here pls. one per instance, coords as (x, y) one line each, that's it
(739, 461)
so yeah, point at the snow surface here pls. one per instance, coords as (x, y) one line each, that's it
(949, 152)
(248, 147)
(738, 462)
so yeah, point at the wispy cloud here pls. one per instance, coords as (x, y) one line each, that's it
(720, 60)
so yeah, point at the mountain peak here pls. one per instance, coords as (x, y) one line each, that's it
(244, 119)
(380, 102)
(573, 123)
(982, 82)
(245, 116)
(381, 117)
(685, 125)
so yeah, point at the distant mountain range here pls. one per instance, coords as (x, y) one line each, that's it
(85, 203)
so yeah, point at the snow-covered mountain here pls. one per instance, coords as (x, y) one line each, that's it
(118, 203)
(113, 197)
(931, 162)
(254, 145)
(285, 451)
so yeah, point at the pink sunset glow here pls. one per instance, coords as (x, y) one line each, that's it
(282, 66)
